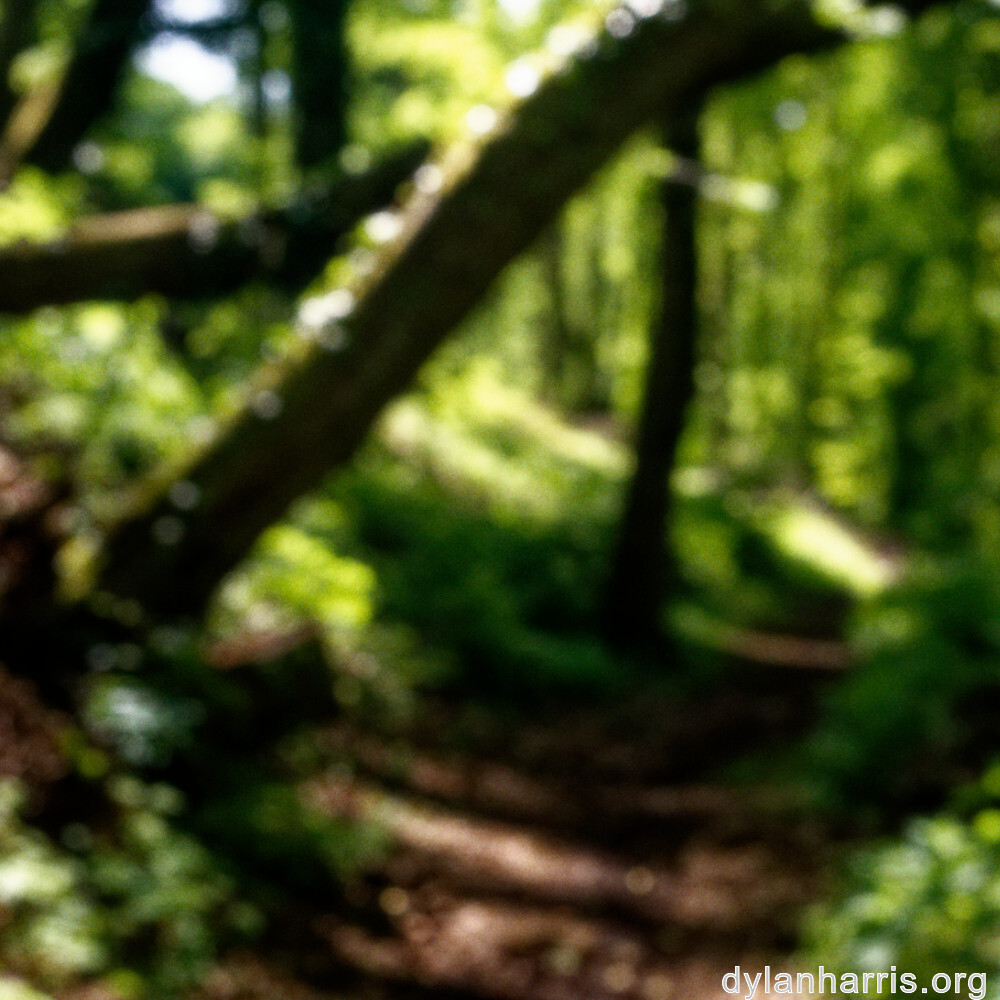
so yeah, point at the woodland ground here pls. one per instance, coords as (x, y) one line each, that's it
(568, 851)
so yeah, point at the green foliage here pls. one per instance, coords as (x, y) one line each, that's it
(145, 726)
(298, 575)
(32, 207)
(924, 647)
(773, 560)
(466, 545)
(137, 904)
(161, 149)
(269, 834)
(98, 383)
(53, 926)
(17, 989)
(850, 323)
(237, 744)
(168, 907)
(423, 66)
(926, 901)
(486, 520)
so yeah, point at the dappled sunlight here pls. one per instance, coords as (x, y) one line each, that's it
(544, 460)
(822, 541)
(485, 400)
(495, 904)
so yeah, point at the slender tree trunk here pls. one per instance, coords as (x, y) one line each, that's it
(641, 568)
(319, 79)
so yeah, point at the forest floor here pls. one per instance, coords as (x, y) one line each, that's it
(576, 852)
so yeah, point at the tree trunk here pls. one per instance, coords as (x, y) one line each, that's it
(319, 79)
(640, 566)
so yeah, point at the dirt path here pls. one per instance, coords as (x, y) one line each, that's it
(593, 854)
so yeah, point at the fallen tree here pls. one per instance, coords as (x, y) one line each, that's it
(306, 420)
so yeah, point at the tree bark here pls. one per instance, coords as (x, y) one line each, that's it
(312, 418)
(319, 79)
(185, 252)
(640, 568)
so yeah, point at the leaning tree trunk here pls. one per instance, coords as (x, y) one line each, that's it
(304, 421)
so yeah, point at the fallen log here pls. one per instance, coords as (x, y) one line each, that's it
(457, 234)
